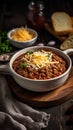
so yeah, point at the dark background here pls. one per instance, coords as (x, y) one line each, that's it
(13, 12)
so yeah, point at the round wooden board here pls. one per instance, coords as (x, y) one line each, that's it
(43, 99)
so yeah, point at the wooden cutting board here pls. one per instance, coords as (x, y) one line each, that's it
(43, 99)
(48, 26)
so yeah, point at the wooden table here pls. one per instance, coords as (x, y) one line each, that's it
(58, 117)
(58, 112)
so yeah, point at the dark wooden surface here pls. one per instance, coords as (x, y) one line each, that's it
(12, 14)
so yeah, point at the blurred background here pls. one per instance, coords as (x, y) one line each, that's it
(13, 12)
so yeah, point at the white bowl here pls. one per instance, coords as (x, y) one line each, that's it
(39, 85)
(22, 44)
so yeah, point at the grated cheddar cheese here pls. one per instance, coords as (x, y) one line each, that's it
(38, 59)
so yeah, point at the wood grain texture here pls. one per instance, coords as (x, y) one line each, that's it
(43, 99)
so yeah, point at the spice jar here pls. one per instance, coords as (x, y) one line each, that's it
(35, 16)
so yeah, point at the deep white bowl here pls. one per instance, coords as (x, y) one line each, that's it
(40, 85)
(22, 44)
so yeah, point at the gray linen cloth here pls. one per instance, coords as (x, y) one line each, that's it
(15, 115)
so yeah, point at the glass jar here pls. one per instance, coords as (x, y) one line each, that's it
(35, 17)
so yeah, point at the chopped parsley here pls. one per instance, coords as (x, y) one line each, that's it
(5, 46)
(23, 64)
(29, 52)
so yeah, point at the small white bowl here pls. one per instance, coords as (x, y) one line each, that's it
(22, 44)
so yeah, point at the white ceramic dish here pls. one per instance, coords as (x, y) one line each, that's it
(40, 85)
(22, 44)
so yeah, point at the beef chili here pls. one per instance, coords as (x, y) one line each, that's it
(39, 64)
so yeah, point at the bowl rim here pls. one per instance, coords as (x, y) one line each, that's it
(14, 29)
(36, 80)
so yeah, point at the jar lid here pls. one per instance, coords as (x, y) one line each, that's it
(31, 5)
(39, 5)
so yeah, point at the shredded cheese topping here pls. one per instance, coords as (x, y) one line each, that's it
(38, 59)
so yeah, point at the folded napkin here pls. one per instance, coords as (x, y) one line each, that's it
(15, 115)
